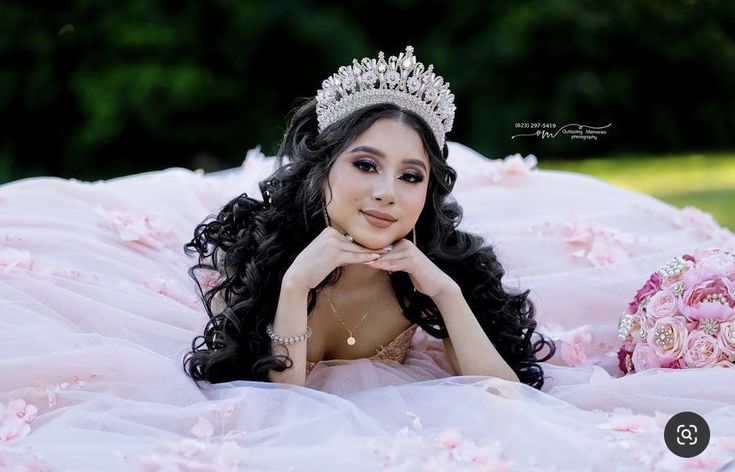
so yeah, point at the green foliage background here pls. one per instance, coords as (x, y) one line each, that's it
(92, 89)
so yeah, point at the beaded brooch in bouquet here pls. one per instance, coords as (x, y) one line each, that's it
(400, 80)
(683, 316)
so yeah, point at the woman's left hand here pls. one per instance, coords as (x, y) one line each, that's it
(424, 274)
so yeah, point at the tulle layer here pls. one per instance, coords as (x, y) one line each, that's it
(98, 312)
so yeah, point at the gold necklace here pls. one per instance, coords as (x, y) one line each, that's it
(351, 339)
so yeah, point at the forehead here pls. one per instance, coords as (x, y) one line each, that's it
(394, 139)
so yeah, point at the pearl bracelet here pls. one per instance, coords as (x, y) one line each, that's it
(288, 339)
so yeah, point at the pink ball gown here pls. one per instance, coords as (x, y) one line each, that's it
(98, 310)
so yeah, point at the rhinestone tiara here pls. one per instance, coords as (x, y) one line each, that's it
(399, 80)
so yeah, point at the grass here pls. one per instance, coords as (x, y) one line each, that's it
(706, 181)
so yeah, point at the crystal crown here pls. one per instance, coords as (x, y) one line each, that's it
(399, 80)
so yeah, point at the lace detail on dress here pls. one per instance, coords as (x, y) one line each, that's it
(396, 350)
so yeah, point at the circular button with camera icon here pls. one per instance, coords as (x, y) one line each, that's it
(686, 434)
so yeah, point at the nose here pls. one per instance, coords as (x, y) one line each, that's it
(384, 190)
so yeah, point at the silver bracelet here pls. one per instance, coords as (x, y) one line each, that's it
(287, 339)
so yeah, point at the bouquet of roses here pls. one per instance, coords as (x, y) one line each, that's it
(683, 316)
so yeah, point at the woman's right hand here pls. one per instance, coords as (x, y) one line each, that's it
(326, 252)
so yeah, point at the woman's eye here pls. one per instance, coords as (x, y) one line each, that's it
(416, 178)
(364, 165)
(367, 165)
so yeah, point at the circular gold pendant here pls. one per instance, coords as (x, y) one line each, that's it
(351, 341)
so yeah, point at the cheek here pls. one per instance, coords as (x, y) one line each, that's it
(415, 206)
(412, 203)
(348, 186)
(417, 198)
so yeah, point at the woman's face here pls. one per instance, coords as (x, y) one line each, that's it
(394, 183)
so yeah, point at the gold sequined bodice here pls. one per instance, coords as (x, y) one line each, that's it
(396, 350)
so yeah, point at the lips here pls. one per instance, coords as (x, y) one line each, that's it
(379, 214)
(377, 222)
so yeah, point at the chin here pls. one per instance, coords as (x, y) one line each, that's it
(371, 241)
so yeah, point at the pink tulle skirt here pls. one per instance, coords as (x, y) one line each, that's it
(98, 311)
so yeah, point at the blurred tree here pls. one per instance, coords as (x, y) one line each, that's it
(92, 90)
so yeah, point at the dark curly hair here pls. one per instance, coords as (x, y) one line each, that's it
(250, 244)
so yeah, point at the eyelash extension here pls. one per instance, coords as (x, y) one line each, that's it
(372, 164)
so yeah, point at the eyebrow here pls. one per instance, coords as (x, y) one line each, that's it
(381, 155)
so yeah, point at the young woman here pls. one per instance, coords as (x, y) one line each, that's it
(355, 246)
(98, 310)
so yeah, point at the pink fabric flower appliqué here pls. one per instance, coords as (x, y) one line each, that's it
(11, 259)
(601, 245)
(575, 346)
(641, 437)
(622, 419)
(706, 223)
(76, 382)
(15, 419)
(203, 454)
(519, 165)
(136, 227)
(447, 450)
(171, 289)
(495, 170)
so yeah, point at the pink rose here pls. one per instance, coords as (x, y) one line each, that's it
(717, 260)
(668, 338)
(645, 358)
(649, 288)
(662, 304)
(702, 350)
(726, 338)
(724, 363)
(674, 364)
(703, 283)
